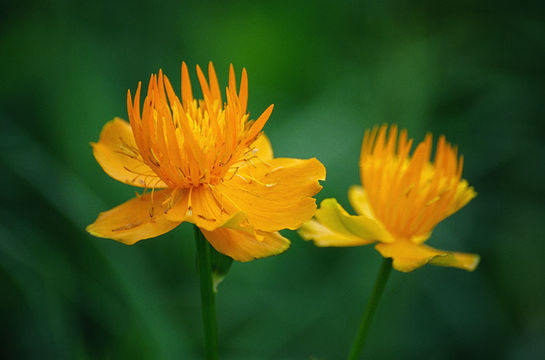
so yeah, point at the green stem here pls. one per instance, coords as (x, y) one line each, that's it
(378, 289)
(208, 299)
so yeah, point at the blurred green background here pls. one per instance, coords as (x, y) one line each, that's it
(471, 71)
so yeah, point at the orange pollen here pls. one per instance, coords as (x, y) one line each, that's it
(192, 142)
(410, 194)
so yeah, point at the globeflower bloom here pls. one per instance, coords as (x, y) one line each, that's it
(204, 162)
(401, 200)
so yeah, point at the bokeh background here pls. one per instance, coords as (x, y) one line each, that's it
(469, 70)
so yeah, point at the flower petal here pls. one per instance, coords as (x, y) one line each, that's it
(137, 219)
(408, 256)
(359, 201)
(244, 246)
(211, 210)
(118, 154)
(180, 206)
(262, 147)
(335, 227)
(208, 209)
(324, 236)
(460, 260)
(276, 194)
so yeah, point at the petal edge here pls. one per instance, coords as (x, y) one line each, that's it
(118, 155)
(137, 219)
(408, 256)
(243, 246)
(275, 195)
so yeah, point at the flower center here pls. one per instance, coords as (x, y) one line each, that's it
(192, 142)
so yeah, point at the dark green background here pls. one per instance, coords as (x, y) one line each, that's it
(472, 72)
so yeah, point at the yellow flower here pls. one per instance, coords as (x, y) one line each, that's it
(214, 166)
(402, 199)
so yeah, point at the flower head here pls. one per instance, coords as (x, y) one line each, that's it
(401, 200)
(214, 166)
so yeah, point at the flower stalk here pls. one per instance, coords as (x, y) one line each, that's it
(378, 289)
(208, 297)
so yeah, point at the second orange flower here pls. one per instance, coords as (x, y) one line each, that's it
(401, 200)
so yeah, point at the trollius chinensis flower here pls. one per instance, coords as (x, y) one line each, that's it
(402, 198)
(205, 162)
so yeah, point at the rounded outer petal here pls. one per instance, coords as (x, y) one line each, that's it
(324, 236)
(179, 205)
(244, 246)
(207, 209)
(276, 194)
(335, 227)
(408, 256)
(137, 219)
(262, 147)
(118, 155)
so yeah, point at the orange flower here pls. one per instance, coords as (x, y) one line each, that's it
(215, 168)
(402, 199)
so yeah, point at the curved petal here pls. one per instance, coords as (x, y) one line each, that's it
(178, 210)
(464, 261)
(208, 209)
(137, 219)
(324, 236)
(408, 256)
(359, 201)
(338, 228)
(277, 194)
(262, 147)
(244, 246)
(117, 153)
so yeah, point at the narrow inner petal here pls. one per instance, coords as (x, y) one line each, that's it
(192, 142)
